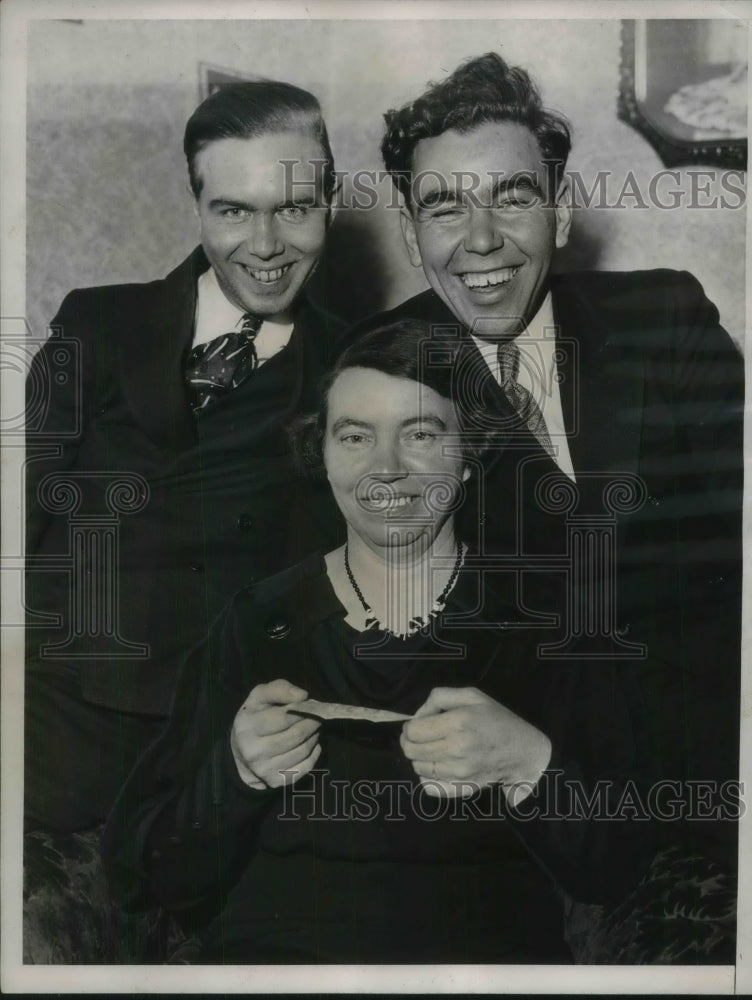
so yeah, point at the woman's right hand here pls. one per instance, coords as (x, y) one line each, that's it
(272, 747)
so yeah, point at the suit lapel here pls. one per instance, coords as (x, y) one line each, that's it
(601, 387)
(151, 364)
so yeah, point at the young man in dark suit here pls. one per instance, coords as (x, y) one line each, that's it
(176, 484)
(617, 402)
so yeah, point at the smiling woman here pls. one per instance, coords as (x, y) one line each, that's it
(426, 812)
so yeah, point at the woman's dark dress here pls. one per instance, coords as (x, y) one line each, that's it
(355, 863)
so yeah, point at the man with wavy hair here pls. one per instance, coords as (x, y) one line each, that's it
(619, 392)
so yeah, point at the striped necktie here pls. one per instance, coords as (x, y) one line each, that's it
(222, 364)
(521, 399)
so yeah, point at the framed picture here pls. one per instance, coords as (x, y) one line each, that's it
(211, 78)
(683, 86)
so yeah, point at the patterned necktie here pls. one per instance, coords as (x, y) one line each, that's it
(213, 369)
(521, 399)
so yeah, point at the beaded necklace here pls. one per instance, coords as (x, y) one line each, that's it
(418, 623)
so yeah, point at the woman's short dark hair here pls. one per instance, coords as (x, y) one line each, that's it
(400, 349)
(481, 90)
(251, 109)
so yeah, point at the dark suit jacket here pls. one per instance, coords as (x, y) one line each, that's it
(214, 504)
(653, 387)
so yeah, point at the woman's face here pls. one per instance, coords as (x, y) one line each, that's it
(393, 459)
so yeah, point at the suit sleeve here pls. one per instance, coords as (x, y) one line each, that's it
(185, 819)
(701, 646)
(617, 788)
(707, 380)
(587, 821)
(707, 374)
(59, 403)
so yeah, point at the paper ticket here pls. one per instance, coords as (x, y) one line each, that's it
(331, 710)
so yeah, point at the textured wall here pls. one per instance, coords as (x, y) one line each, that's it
(107, 102)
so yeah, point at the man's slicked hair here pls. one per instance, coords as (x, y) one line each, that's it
(481, 90)
(252, 109)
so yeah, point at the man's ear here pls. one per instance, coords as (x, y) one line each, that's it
(410, 237)
(333, 205)
(331, 210)
(192, 195)
(563, 210)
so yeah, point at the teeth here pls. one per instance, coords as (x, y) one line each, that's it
(267, 277)
(389, 503)
(490, 278)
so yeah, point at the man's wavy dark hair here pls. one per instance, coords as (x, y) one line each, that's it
(482, 90)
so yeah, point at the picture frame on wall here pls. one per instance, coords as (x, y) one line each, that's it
(211, 78)
(691, 110)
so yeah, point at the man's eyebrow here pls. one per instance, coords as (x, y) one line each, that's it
(425, 418)
(434, 199)
(338, 425)
(304, 201)
(525, 181)
(223, 202)
(501, 185)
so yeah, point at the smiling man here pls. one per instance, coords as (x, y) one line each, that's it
(480, 224)
(617, 396)
(186, 387)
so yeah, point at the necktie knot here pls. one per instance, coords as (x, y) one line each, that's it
(212, 369)
(251, 325)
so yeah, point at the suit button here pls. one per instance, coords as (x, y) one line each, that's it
(196, 567)
(278, 629)
(245, 521)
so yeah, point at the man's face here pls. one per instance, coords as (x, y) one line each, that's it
(262, 234)
(484, 241)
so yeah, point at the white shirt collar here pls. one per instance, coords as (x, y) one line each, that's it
(536, 343)
(538, 374)
(215, 315)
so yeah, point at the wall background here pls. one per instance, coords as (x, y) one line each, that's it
(106, 182)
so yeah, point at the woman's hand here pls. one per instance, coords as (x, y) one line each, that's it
(461, 740)
(266, 740)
